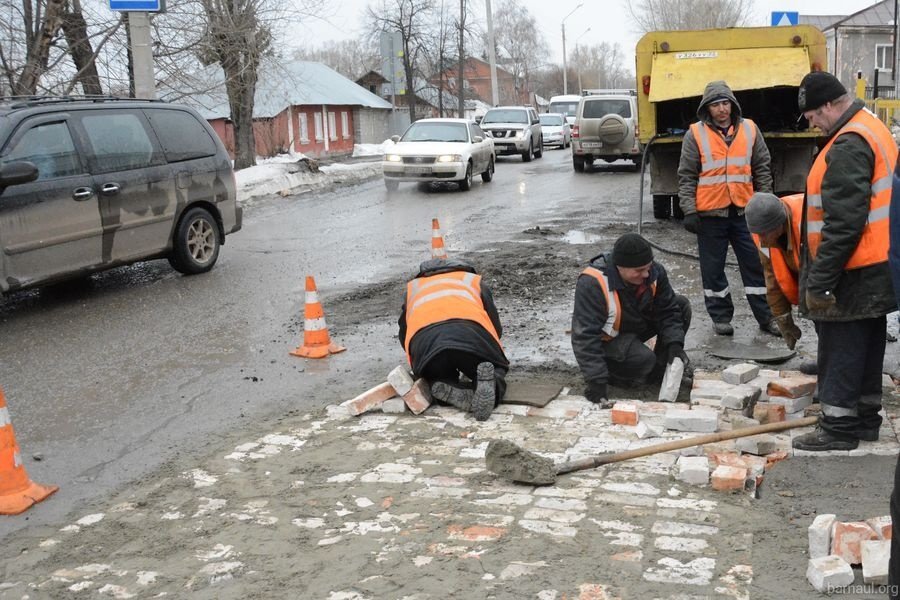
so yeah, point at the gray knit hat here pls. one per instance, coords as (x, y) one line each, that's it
(764, 212)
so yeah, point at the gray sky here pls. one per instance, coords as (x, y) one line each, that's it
(608, 20)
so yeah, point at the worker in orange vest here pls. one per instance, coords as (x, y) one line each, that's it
(845, 280)
(724, 159)
(449, 326)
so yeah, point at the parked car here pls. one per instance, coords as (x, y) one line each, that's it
(439, 150)
(606, 128)
(555, 130)
(87, 184)
(515, 130)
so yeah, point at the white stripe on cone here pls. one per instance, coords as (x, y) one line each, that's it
(312, 297)
(315, 324)
(4, 417)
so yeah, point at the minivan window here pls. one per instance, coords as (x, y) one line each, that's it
(182, 136)
(566, 108)
(594, 109)
(49, 146)
(505, 116)
(119, 141)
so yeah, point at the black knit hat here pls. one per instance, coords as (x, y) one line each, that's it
(817, 88)
(631, 250)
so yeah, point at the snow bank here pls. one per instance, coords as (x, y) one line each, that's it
(372, 149)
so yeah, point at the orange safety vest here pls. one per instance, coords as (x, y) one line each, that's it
(445, 296)
(872, 247)
(613, 305)
(787, 279)
(726, 173)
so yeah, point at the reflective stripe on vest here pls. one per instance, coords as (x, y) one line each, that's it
(873, 244)
(454, 295)
(726, 173)
(613, 306)
(787, 279)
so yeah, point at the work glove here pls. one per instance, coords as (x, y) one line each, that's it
(677, 351)
(596, 393)
(789, 331)
(692, 223)
(819, 302)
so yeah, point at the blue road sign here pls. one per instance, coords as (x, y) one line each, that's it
(785, 18)
(138, 5)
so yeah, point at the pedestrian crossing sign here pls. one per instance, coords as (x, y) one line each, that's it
(785, 18)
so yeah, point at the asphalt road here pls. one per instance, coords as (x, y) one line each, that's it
(107, 378)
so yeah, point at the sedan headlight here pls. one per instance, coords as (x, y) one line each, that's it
(393, 158)
(444, 158)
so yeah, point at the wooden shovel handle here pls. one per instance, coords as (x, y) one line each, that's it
(605, 459)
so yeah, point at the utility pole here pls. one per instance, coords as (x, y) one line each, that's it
(565, 65)
(895, 72)
(492, 54)
(460, 79)
(142, 51)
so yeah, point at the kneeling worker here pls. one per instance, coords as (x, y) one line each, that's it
(775, 226)
(449, 325)
(622, 300)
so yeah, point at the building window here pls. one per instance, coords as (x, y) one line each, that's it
(372, 89)
(345, 125)
(317, 119)
(304, 128)
(884, 57)
(332, 126)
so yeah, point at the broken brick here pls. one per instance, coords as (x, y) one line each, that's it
(728, 478)
(846, 537)
(775, 457)
(370, 399)
(419, 397)
(883, 526)
(792, 387)
(768, 413)
(401, 379)
(624, 413)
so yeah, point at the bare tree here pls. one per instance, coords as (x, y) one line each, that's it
(437, 53)
(603, 66)
(350, 58)
(519, 42)
(655, 15)
(410, 18)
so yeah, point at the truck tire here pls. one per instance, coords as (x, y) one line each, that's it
(578, 163)
(662, 206)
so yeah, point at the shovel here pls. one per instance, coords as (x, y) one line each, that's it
(517, 464)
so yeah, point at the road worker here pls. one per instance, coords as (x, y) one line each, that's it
(623, 299)
(449, 326)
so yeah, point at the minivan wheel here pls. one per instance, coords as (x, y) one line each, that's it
(195, 247)
(527, 155)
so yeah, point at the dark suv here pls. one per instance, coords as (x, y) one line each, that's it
(89, 183)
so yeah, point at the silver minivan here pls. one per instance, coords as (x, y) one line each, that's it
(606, 128)
(87, 184)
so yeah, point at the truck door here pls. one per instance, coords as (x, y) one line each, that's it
(49, 226)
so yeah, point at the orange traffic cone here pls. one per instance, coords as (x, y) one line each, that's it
(316, 341)
(437, 241)
(17, 492)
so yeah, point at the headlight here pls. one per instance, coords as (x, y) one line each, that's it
(449, 158)
(520, 134)
(393, 158)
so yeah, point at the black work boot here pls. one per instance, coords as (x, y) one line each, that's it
(820, 440)
(723, 328)
(483, 402)
(771, 327)
(453, 395)
(868, 435)
(809, 367)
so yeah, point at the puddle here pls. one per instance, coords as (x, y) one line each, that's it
(579, 237)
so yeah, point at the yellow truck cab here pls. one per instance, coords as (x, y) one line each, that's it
(763, 66)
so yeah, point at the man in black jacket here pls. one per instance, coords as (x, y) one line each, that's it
(450, 325)
(622, 300)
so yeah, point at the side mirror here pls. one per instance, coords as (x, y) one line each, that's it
(15, 173)
(477, 139)
(395, 138)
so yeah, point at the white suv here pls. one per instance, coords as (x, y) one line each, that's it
(605, 128)
(516, 130)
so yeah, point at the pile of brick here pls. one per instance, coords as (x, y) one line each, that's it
(723, 401)
(399, 393)
(836, 547)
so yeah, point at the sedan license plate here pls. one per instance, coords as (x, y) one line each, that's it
(592, 145)
(418, 170)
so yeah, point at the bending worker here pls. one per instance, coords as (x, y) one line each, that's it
(622, 300)
(723, 160)
(845, 281)
(450, 326)
(774, 224)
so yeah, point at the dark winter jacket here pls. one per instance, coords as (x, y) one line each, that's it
(862, 293)
(653, 315)
(453, 334)
(894, 253)
(689, 165)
